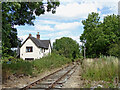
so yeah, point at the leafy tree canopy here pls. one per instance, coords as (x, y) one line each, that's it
(67, 47)
(99, 37)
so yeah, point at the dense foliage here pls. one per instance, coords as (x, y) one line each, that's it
(20, 13)
(101, 38)
(67, 47)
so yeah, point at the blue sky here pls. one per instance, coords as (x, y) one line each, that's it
(67, 21)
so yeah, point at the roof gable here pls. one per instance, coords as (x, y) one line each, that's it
(38, 43)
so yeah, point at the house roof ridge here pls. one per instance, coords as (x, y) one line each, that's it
(39, 43)
(40, 39)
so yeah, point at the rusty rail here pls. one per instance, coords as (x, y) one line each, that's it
(37, 81)
(52, 84)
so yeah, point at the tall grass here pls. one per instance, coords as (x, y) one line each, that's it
(19, 66)
(50, 62)
(104, 68)
(16, 67)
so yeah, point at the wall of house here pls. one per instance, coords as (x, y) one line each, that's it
(47, 51)
(36, 54)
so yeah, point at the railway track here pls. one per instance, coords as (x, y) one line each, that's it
(54, 80)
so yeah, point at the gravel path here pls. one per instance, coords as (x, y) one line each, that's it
(75, 80)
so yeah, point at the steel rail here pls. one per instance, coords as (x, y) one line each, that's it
(39, 80)
(53, 84)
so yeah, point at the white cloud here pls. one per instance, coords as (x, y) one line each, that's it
(68, 1)
(104, 0)
(67, 26)
(57, 34)
(76, 10)
(46, 22)
(43, 27)
(46, 25)
(71, 1)
(15, 26)
(73, 11)
(23, 38)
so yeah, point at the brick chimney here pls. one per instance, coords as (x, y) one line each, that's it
(30, 35)
(38, 36)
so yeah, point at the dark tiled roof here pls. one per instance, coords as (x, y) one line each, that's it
(45, 43)
(40, 43)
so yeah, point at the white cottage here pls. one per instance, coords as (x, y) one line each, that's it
(34, 48)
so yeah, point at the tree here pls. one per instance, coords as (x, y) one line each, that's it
(99, 36)
(112, 33)
(90, 34)
(20, 13)
(67, 47)
(115, 49)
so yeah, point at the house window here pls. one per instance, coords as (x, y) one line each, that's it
(29, 49)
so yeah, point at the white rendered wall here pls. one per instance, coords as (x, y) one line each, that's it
(47, 51)
(36, 54)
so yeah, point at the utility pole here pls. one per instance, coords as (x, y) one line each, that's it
(83, 44)
(84, 51)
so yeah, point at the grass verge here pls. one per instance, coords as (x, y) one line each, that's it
(49, 62)
(19, 66)
(104, 68)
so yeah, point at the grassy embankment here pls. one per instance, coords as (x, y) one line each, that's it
(19, 66)
(105, 68)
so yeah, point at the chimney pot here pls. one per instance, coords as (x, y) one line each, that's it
(38, 36)
(30, 35)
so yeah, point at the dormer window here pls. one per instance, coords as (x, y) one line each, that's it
(29, 49)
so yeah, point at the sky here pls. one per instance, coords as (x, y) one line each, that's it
(67, 21)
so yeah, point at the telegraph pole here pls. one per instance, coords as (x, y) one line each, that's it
(83, 44)
(84, 51)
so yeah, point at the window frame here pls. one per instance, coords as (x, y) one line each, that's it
(29, 49)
